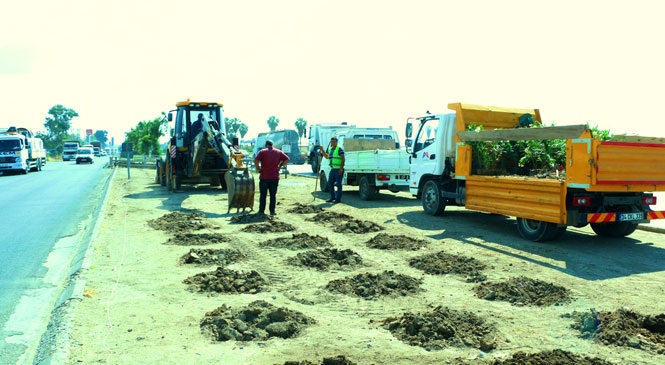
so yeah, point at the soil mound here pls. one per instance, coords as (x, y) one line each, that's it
(623, 327)
(524, 291)
(328, 258)
(441, 263)
(337, 360)
(372, 286)
(343, 223)
(196, 239)
(384, 241)
(176, 222)
(258, 321)
(441, 328)
(272, 227)
(299, 241)
(305, 209)
(245, 218)
(226, 281)
(553, 357)
(219, 257)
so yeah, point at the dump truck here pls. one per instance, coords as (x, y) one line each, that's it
(319, 135)
(21, 151)
(607, 184)
(374, 161)
(199, 152)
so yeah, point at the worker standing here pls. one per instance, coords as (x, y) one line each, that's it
(268, 162)
(335, 156)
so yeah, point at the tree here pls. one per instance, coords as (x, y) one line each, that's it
(273, 122)
(145, 136)
(102, 137)
(243, 128)
(301, 126)
(235, 126)
(57, 127)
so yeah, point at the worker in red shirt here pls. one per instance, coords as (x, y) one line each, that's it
(268, 162)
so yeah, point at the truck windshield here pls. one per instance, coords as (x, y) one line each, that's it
(10, 145)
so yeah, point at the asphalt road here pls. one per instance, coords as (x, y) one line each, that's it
(47, 219)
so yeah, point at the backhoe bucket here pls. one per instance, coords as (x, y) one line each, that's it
(240, 188)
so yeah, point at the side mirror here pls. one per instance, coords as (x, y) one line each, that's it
(409, 144)
(170, 117)
(409, 129)
(172, 131)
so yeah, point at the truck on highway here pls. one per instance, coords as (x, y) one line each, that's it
(20, 151)
(287, 140)
(319, 135)
(374, 161)
(70, 149)
(606, 184)
(96, 148)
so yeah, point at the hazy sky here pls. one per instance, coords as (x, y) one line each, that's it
(372, 63)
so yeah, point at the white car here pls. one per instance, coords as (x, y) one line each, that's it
(85, 155)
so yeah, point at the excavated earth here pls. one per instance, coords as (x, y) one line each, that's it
(335, 284)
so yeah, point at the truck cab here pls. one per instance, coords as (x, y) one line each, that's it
(14, 154)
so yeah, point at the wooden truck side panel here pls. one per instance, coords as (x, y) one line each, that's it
(526, 197)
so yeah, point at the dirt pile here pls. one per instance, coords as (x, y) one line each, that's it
(258, 321)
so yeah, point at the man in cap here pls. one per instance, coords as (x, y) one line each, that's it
(268, 162)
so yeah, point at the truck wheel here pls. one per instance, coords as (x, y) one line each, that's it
(614, 229)
(538, 231)
(433, 204)
(367, 190)
(314, 161)
(323, 182)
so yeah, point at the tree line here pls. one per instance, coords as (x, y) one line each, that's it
(144, 137)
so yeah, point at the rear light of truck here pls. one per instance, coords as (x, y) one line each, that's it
(382, 177)
(581, 201)
(649, 200)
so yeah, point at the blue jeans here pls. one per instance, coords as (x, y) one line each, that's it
(335, 179)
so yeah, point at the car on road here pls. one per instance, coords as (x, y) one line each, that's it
(85, 155)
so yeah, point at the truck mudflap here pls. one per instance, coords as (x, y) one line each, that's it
(624, 217)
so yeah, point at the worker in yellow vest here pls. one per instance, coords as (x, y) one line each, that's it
(335, 156)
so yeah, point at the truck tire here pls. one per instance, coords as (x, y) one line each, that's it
(614, 229)
(433, 204)
(539, 231)
(367, 190)
(314, 161)
(323, 182)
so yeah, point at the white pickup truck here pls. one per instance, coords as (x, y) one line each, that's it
(374, 161)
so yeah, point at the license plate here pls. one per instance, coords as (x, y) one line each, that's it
(631, 217)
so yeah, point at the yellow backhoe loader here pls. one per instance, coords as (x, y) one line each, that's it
(200, 152)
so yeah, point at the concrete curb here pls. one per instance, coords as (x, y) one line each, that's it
(651, 228)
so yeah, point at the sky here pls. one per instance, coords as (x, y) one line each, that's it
(370, 63)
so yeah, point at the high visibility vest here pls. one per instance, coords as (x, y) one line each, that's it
(335, 161)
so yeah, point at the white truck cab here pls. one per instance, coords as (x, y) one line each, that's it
(14, 156)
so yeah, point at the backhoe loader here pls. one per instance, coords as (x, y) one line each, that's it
(200, 152)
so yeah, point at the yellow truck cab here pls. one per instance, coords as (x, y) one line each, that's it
(607, 184)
